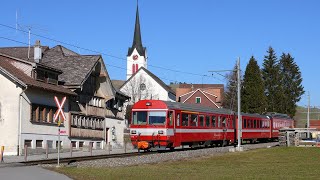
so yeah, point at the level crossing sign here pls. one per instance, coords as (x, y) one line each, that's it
(60, 110)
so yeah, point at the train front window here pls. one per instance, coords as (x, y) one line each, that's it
(157, 117)
(140, 117)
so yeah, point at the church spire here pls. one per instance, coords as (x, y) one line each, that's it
(137, 42)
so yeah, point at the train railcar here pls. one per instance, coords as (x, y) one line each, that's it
(279, 121)
(164, 124)
(256, 127)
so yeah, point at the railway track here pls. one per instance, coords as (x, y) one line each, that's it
(85, 158)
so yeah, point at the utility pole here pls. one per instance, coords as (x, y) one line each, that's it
(239, 106)
(308, 115)
(239, 132)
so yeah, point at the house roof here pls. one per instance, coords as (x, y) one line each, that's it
(197, 86)
(161, 83)
(21, 52)
(75, 67)
(117, 83)
(26, 81)
(202, 92)
(137, 42)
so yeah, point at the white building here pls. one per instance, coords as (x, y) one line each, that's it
(145, 85)
(27, 106)
(141, 83)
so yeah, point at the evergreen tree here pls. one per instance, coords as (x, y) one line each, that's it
(271, 77)
(253, 99)
(230, 94)
(291, 81)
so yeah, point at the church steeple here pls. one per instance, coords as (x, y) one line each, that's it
(137, 42)
(137, 54)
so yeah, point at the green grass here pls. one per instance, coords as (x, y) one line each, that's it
(274, 163)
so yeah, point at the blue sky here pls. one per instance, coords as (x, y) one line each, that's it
(187, 36)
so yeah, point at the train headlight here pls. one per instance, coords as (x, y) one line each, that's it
(133, 132)
(160, 132)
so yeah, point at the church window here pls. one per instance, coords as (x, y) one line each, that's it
(133, 69)
(137, 67)
(142, 87)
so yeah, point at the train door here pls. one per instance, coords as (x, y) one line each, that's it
(176, 127)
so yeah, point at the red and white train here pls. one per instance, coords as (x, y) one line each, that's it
(163, 124)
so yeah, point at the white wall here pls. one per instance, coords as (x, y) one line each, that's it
(155, 90)
(116, 139)
(141, 61)
(9, 99)
(33, 131)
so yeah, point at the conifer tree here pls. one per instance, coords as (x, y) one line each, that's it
(292, 84)
(253, 99)
(271, 77)
(230, 94)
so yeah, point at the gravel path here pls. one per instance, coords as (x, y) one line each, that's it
(166, 156)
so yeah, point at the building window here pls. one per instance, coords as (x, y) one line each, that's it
(142, 86)
(74, 144)
(49, 144)
(81, 144)
(42, 114)
(198, 100)
(28, 143)
(39, 143)
(57, 144)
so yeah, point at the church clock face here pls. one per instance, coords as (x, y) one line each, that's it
(135, 57)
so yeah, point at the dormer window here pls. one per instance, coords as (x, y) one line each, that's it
(41, 75)
(47, 77)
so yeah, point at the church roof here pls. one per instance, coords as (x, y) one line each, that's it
(137, 42)
(153, 76)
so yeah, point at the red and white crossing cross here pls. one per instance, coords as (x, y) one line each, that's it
(60, 109)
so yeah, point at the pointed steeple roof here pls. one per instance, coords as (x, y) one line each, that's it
(137, 42)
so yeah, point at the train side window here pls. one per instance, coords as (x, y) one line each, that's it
(249, 123)
(219, 121)
(185, 119)
(170, 117)
(213, 121)
(245, 123)
(208, 121)
(201, 121)
(178, 119)
(194, 120)
(223, 121)
(254, 123)
(229, 125)
(261, 123)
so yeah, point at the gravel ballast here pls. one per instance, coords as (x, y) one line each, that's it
(164, 156)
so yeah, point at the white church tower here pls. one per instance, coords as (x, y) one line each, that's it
(137, 54)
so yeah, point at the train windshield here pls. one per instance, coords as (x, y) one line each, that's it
(150, 117)
(157, 117)
(140, 118)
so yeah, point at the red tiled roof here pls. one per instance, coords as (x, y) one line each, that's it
(27, 80)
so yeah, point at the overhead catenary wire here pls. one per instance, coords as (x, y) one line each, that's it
(9, 39)
(98, 52)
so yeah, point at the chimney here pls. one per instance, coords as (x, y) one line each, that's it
(37, 52)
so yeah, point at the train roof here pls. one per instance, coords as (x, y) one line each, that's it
(254, 115)
(278, 115)
(197, 108)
